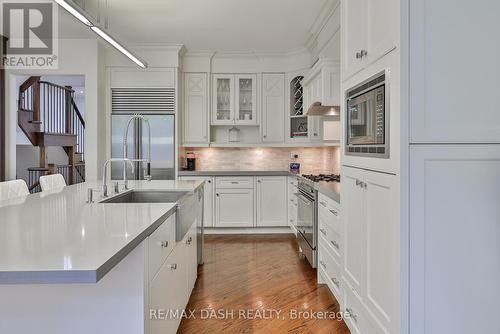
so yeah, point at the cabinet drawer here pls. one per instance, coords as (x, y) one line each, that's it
(330, 214)
(331, 269)
(235, 182)
(160, 244)
(331, 237)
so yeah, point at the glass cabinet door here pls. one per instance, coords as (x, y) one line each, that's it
(246, 99)
(223, 99)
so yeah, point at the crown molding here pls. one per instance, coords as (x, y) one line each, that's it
(324, 15)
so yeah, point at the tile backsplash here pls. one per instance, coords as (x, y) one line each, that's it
(311, 159)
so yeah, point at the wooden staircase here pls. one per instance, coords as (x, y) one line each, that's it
(49, 116)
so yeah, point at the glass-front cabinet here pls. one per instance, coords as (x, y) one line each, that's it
(234, 99)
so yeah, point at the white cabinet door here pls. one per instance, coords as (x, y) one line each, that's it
(455, 237)
(195, 116)
(234, 208)
(353, 208)
(223, 108)
(167, 291)
(382, 247)
(189, 243)
(315, 128)
(273, 107)
(354, 39)
(246, 99)
(208, 193)
(271, 201)
(453, 88)
(370, 30)
(382, 32)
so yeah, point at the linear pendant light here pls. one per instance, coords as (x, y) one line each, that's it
(73, 10)
(118, 46)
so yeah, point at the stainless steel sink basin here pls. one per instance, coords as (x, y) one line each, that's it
(147, 196)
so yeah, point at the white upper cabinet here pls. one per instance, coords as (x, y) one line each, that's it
(195, 116)
(271, 201)
(223, 99)
(370, 29)
(273, 107)
(454, 71)
(234, 99)
(246, 99)
(455, 236)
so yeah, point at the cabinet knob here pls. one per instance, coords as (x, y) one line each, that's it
(335, 213)
(335, 244)
(258, 181)
(322, 203)
(173, 266)
(322, 231)
(352, 314)
(189, 240)
(209, 181)
(360, 54)
(335, 281)
(265, 136)
(164, 244)
(217, 195)
(322, 264)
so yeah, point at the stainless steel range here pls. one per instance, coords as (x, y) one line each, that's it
(307, 214)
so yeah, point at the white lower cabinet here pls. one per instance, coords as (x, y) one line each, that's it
(171, 285)
(370, 202)
(234, 207)
(454, 239)
(292, 202)
(208, 193)
(167, 291)
(271, 201)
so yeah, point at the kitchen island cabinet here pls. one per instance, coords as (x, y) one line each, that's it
(94, 268)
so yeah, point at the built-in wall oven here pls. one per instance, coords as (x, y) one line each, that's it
(367, 117)
(307, 222)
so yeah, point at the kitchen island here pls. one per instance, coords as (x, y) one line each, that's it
(67, 266)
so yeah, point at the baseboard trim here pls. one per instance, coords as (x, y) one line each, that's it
(247, 230)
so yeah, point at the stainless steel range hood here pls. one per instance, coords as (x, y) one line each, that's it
(317, 109)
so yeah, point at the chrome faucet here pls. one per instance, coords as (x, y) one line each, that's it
(104, 173)
(125, 150)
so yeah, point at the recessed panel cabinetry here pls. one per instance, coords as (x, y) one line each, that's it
(271, 200)
(371, 244)
(273, 107)
(195, 116)
(452, 101)
(370, 29)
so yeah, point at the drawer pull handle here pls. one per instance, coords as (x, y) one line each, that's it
(322, 231)
(322, 264)
(322, 203)
(352, 314)
(189, 240)
(335, 281)
(234, 182)
(173, 266)
(335, 244)
(164, 244)
(335, 213)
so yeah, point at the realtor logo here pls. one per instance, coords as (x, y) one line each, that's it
(31, 29)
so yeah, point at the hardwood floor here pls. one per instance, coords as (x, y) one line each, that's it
(264, 275)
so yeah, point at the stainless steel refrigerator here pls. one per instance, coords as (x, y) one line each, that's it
(162, 145)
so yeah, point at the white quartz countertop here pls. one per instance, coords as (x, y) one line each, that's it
(57, 237)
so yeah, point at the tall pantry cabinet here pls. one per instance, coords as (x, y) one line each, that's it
(454, 152)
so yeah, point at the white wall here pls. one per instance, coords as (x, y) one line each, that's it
(76, 57)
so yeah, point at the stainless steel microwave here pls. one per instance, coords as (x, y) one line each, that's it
(367, 117)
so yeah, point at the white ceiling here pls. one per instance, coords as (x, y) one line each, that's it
(219, 25)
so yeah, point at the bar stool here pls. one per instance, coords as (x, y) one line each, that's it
(51, 182)
(13, 189)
